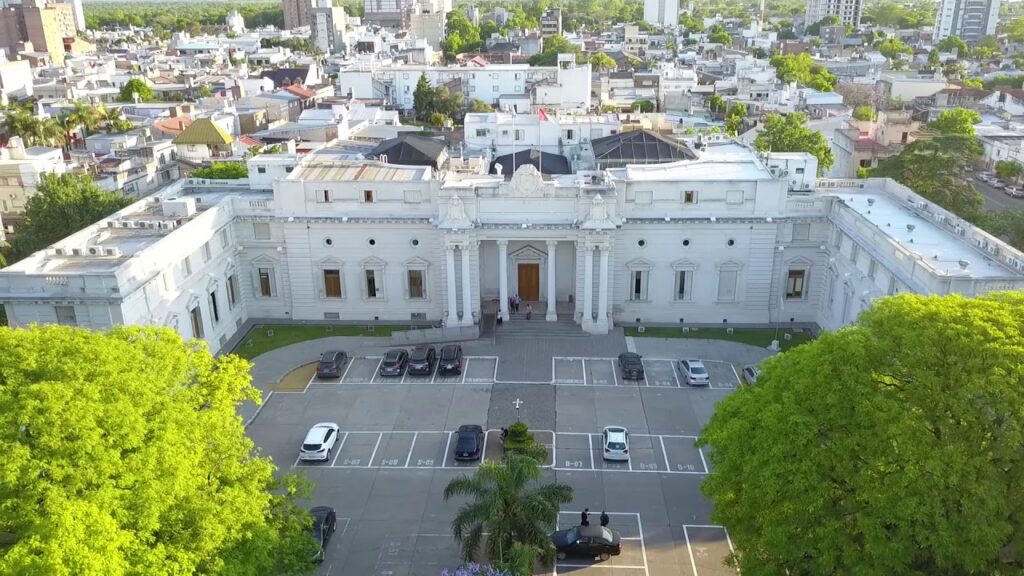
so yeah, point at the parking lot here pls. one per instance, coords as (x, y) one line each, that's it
(394, 456)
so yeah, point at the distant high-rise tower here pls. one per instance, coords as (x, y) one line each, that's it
(971, 20)
(76, 5)
(848, 11)
(296, 13)
(662, 12)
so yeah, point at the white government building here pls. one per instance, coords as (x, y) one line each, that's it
(725, 235)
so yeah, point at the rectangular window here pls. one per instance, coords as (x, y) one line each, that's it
(519, 134)
(371, 283)
(799, 170)
(66, 315)
(332, 283)
(481, 132)
(207, 254)
(690, 197)
(213, 307)
(801, 231)
(186, 267)
(682, 289)
(266, 282)
(727, 285)
(232, 291)
(196, 316)
(795, 284)
(872, 268)
(416, 284)
(367, 195)
(323, 196)
(261, 230)
(637, 285)
(223, 234)
(261, 169)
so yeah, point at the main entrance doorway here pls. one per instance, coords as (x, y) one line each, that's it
(529, 282)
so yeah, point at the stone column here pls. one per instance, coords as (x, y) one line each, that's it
(467, 292)
(588, 287)
(453, 304)
(552, 314)
(503, 279)
(602, 298)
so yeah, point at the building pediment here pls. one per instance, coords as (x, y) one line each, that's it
(684, 264)
(417, 263)
(528, 252)
(526, 182)
(373, 262)
(639, 264)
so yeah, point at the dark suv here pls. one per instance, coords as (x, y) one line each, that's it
(331, 363)
(631, 365)
(393, 363)
(451, 360)
(422, 360)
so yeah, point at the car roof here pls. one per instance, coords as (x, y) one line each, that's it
(611, 429)
(394, 353)
(422, 348)
(318, 431)
(693, 362)
(593, 531)
(320, 512)
(471, 428)
(330, 354)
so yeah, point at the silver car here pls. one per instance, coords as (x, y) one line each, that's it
(615, 443)
(750, 374)
(694, 373)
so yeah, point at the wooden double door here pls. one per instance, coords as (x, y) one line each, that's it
(528, 276)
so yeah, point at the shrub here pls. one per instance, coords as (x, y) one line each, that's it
(520, 441)
(222, 171)
(473, 569)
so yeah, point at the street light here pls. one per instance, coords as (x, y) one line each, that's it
(517, 403)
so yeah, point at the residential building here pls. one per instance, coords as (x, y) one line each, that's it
(327, 27)
(848, 11)
(79, 12)
(296, 13)
(204, 140)
(21, 171)
(971, 20)
(49, 28)
(551, 22)
(428, 25)
(663, 13)
(387, 13)
(234, 22)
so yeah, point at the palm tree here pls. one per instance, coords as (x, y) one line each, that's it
(515, 515)
(84, 117)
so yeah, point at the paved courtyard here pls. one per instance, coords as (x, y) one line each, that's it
(393, 459)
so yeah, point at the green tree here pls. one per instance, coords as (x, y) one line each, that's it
(62, 205)
(439, 120)
(204, 92)
(716, 103)
(951, 43)
(876, 468)
(802, 69)
(690, 24)
(791, 134)
(133, 87)
(957, 121)
(830, 20)
(602, 62)
(973, 82)
(1009, 170)
(864, 113)
(933, 57)
(892, 48)
(423, 99)
(734, 116)
(718, 35)
(476, 105)
(934, 168)
(553, 46)
(222, 171)
(643, 106)
(516, 515)
(1015, 29)
(124, 454)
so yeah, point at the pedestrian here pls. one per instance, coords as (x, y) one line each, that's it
(512, 303)
(529, 310)
(584, 517)
(515, 303)
(604, 518)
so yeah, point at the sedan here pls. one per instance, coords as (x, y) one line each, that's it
(694, 373)
(750, 374)
(589, 541)
(394, 363)
(615, 440)
(324, 522)
(422, 360)
(451, 360)
(469, 442)
(331, 363)
(319, 442)
(631, 365)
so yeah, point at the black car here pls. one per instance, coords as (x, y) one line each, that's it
(469, 442)
(331, 363)
(394, 363)
(591, 541)
(324, 523)
(422, 360)
(451, 360)
(631, 365)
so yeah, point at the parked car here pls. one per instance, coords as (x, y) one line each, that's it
(469, 442)
(694, 373)
(631, 365)
(451, 360)
(750, 374)
(319, 442)
(590, 541)
(394, 362)
(422, 360)
(1011, 190)
(324, 523)
(997, 184)
(615, 440)
(331, 364)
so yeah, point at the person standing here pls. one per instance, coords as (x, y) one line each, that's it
(604, 518)
(585, 517)
(529, 310)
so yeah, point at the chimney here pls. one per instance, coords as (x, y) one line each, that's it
(181, 125)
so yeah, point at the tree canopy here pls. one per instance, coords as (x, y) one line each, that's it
(222, 171)
(892, 48)
(802, 69)
(133, 87)
(956, 122)
(951, 43)
(830, 20)
(893, 13)
(553, 46)
(889, 447)
(600, 61)
(1009, 170)
(791, 134)
(718, 35)
(934, 168)
(864, 113)
(124, 455)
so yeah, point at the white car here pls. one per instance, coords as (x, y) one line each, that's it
(319, 442)
(615, 442)
(694, 373)
(750, 374)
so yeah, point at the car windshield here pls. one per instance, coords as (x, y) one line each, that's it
(467, 442)
(326, 363)
(617, 445)
(418, 355)
(448, 354)
(310, 447)
(391, 357)
(696, 369)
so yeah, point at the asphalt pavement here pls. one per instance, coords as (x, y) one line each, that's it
(995, 198)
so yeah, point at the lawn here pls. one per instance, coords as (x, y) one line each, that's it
(259, 340)
(761, 337)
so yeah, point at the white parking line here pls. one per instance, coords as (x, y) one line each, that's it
(348, 365)
(689, 550)
(734, 373)
(664, 452)
(702, 460)
(689, 547)
(643, 548)
(447, 445)
(340, 446)
(376, 371)
(413, 445)
(675, 374)
(375, 446)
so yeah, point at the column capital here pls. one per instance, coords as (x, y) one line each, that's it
(604, 247)
(502, 242)
(588, 247)
(551, 242)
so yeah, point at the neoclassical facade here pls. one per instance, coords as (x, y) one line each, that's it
(730, 237)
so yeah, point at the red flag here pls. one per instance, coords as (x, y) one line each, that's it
(543, 115)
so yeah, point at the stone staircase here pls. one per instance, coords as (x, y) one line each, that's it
(537, 327)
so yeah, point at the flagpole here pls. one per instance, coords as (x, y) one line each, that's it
(540, 144)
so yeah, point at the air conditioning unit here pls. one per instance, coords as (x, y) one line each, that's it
(784, 173)
(124, 224)
(58, 252)
(76, 251)
(94, 251)
(111, 252)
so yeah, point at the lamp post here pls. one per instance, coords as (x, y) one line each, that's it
(517, 403)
